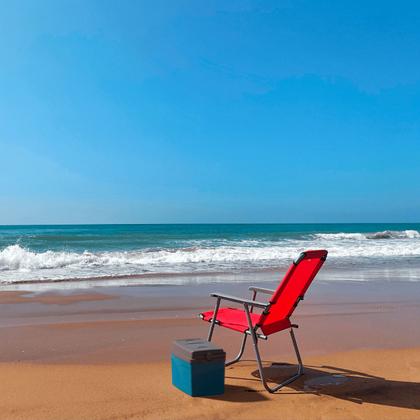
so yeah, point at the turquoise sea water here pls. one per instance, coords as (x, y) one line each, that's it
(47, 253)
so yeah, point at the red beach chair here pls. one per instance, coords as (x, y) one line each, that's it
(276, 313)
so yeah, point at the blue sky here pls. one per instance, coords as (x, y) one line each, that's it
(206, 111)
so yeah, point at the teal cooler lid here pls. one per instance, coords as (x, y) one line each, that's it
(197, 350)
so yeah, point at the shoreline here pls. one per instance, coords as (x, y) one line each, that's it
(331, 274)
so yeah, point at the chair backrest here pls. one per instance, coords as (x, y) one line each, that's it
(291, 290)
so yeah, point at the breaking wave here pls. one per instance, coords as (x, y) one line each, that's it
(386, 234)
(18, 263)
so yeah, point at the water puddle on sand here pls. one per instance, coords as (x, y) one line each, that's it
(282, 365)
(317, 382)
(325, 380)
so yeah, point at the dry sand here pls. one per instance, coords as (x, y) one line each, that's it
(104, 355)
(381, 384)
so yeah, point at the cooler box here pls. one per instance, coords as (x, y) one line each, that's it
(198, 367)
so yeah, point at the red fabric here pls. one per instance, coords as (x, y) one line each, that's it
(232, 318)
(276, 326)
(294, 285)
(283, 301)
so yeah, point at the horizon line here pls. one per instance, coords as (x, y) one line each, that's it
(206, 223)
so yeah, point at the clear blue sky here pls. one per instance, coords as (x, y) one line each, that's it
(206, 111)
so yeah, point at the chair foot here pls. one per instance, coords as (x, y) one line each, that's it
(272, 390)
(298, 374)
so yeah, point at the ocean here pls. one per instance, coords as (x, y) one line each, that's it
(174, 254)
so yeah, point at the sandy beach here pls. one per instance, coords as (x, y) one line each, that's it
(103, 353)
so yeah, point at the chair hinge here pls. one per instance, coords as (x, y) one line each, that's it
(297, 301)
(301, 256)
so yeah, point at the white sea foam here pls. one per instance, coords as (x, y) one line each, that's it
(386, 234)
(20, 264)
(341, 235)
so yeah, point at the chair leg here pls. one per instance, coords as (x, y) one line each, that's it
(260, 367)
(213, 321)
(257, 352)
(241, 352)
(301, 370)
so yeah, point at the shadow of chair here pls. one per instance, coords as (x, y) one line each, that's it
(345, 384)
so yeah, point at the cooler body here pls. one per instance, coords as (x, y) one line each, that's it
(198, 367)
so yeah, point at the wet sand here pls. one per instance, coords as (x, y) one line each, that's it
(103, 353)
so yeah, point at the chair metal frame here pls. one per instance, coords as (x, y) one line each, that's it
(249, 305)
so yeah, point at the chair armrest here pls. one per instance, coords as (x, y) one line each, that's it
(261, 290)
(240, 300)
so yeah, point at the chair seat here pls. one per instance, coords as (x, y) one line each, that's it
(232, 318)
(235, 319)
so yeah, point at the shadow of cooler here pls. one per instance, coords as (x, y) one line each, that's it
(198, 367)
